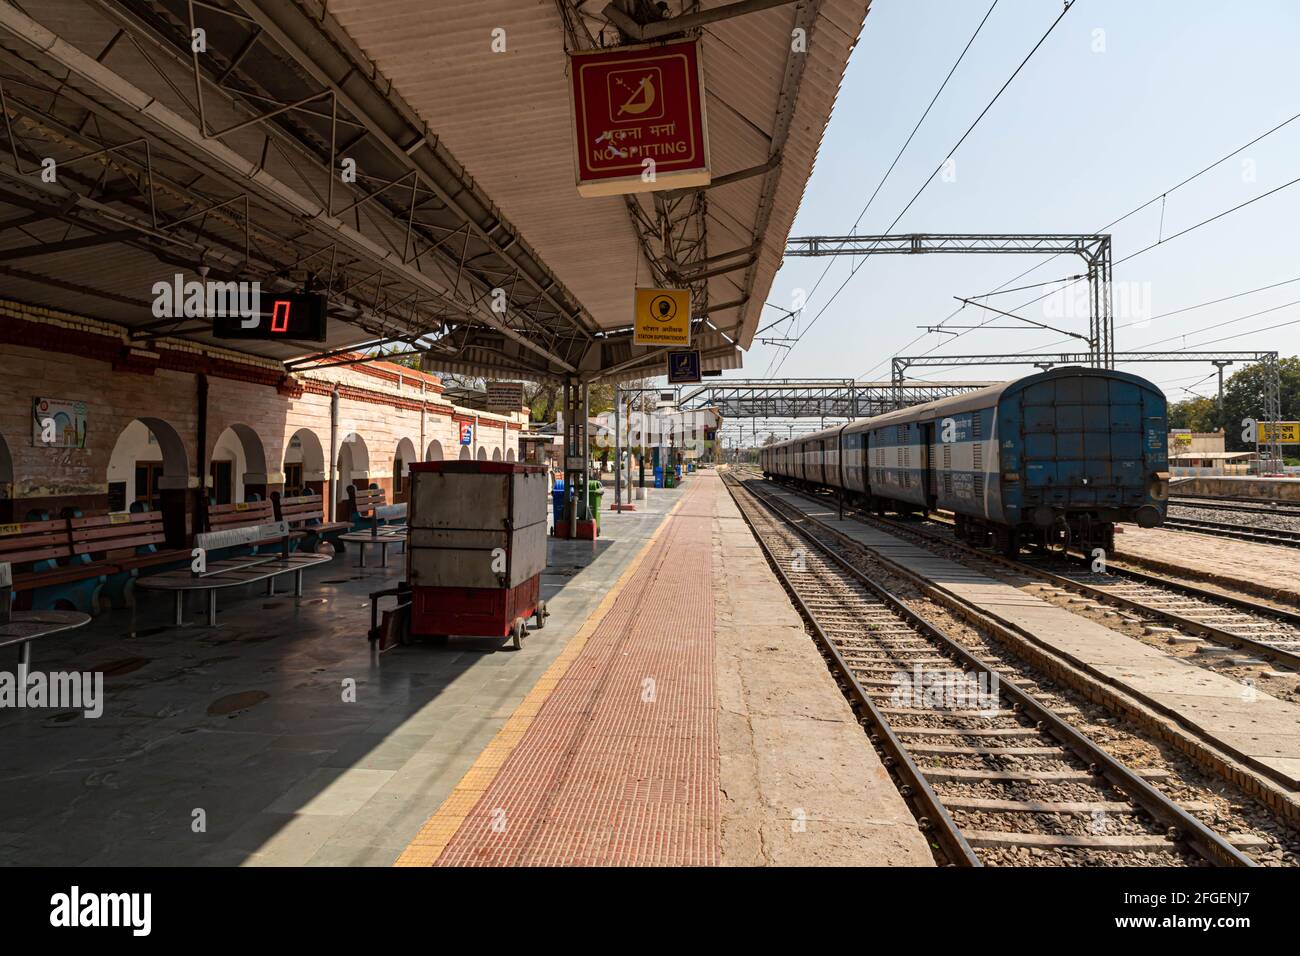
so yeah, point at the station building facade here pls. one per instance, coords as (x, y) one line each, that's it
(130, 420)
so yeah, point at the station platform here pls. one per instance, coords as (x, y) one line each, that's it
(1261, 731)
(689, 722)
(673, 711)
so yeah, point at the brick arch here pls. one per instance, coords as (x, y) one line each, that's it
(168, 491)
(253, 479)
(311, 458)
(404, 453)
(352, 464)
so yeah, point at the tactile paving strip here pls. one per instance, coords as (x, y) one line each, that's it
(620, 765)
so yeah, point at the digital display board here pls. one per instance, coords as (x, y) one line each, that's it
(295, 315)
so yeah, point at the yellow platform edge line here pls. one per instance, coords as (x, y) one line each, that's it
(438, 830)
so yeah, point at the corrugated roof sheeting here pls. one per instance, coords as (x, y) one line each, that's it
(506, 116)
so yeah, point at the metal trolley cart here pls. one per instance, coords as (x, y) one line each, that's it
(475, 553)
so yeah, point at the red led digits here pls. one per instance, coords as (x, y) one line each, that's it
(280, 315)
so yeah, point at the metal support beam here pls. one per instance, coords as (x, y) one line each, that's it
(1094, 249)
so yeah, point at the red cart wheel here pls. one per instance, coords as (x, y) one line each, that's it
(517, 632)
(540, 615)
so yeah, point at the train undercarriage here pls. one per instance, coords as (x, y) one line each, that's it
(1084, 532)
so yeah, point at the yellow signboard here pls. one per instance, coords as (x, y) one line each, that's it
(1288, 433)
(662, 317)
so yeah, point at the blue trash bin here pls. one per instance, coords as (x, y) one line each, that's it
(659, 477)
(557, 501)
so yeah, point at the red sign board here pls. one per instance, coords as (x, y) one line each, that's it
(638, 115)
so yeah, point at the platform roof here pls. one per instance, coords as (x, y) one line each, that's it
(169, 161)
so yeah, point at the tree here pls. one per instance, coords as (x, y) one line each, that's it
(1198, 414)
(771, 439)
(1243, 398)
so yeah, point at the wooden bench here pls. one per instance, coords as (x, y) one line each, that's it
(370, 508)
(306, 513)
(126, 544)
(245, 514)
(46, 568)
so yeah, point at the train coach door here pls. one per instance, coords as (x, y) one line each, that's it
(930, 478)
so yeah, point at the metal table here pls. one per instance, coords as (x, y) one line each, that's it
(228, 573)
(384, 537)
(23, 627)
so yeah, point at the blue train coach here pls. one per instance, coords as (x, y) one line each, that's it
(1054, 458)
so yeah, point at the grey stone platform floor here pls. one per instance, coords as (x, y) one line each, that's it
(244, 728)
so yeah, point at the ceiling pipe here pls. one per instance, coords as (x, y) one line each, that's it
(663, 28)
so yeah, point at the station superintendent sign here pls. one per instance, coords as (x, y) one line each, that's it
(1288, 433)
(684, 367)
(638, 103)
(662, 317)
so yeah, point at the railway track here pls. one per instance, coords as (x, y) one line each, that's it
(1247, 625)
(1252, 626)
(1223, 529)
(992, 771)
(1251, 506)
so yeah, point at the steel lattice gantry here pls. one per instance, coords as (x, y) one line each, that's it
(1095, 250)
(814, 398)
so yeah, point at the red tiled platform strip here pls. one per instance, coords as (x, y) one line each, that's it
(620, 766)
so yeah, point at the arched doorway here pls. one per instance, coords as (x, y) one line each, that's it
(482, 453)
(304, 464)
(464, 453)
(435, 451)
(496, 454)
(237, 468)
(403, 457)
(148, 459)
(353, 469)
(510, 454)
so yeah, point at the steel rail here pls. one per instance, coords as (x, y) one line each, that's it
(1208, 844)
(1217, 634)
(1219, 529)
(1241, 506)
(934, 818)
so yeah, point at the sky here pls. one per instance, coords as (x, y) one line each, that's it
(1125, 100)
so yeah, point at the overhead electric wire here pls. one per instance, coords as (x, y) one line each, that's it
(1132, 212)
(1187, 308)
(1133, 255)
(934, 99)
(929, 179)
